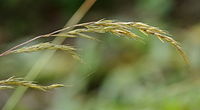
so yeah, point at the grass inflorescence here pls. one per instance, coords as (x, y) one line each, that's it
(81, 30)
(11, 82)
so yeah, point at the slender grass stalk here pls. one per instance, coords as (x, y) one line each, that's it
(34, 72)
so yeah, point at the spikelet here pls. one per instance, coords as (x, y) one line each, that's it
(44, 46)
(12, 82)
(162, 35)
(5, 87)
(48, 46)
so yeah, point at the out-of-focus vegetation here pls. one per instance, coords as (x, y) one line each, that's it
(118, 73)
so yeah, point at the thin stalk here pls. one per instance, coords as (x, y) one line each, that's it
(13, 48)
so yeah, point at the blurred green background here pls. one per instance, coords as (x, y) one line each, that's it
(118, 73)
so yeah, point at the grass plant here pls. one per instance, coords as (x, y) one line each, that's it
(117, 28)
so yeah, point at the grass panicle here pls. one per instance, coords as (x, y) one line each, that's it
(101, 26)
(11, 82)
(82, 30)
